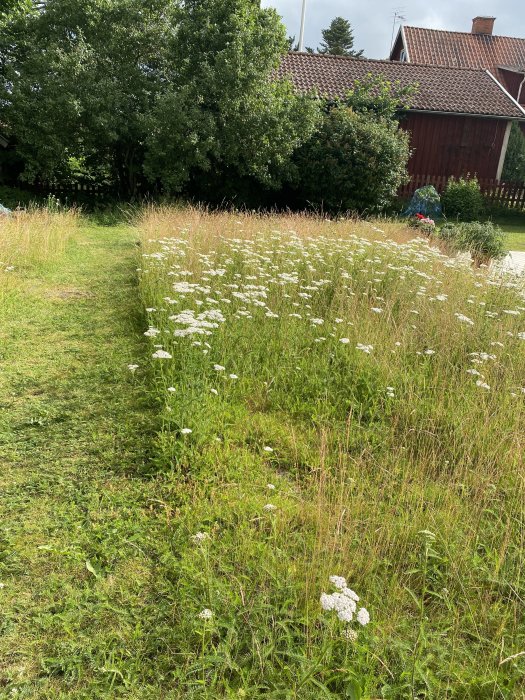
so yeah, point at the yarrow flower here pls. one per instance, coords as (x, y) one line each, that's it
(186, 431)
(364, 348)
(269, 507)
(162, 355)
(344, 602)
(199, 537)
(132, 368)
(206, 614)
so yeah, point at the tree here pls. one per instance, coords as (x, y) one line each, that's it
(339, 39)
(356, 158)
(514, 167)
(80, 79)
(225, 111)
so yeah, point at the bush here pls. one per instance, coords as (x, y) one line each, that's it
(462, 199)
(484, 241)
(353, 162)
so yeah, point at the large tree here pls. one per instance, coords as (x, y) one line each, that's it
(80, 79)
(338, 39)
(514, 168)
(225, 111)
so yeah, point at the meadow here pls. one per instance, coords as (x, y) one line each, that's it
(260, 457)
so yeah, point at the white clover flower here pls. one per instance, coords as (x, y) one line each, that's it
(162, 355)
(363, 616)
(199, 537)
(338, 581)
(206, 614)
(219, 368)
(269, 507)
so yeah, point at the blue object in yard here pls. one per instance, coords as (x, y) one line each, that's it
(4, 211)
(425, 200)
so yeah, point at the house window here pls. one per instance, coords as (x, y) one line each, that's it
(403, 55)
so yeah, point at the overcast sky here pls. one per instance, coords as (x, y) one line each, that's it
(372, 19)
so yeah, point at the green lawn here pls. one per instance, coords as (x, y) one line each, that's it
(514, 229)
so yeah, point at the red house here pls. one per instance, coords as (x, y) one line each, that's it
(459, 121)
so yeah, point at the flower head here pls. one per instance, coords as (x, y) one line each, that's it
(206, 614)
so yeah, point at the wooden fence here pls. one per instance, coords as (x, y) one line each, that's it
(496, 192)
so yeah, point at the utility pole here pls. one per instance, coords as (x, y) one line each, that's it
(301, 33)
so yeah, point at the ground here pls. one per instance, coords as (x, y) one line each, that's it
(515, 230)
(72, 449)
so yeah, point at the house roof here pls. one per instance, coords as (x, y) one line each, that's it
(441, 88)
(465, 49)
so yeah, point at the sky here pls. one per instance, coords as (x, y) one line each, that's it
(372, 19)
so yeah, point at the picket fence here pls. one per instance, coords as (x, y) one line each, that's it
(507, 194)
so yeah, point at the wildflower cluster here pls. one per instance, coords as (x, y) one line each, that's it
(344, 602)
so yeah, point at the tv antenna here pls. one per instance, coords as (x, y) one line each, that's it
(398, 16)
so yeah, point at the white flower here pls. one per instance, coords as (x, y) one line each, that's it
(267, 448)
(132, 368)
(345, 615)
(349, 593)
(482, 385)
(474, 372)
(186, 431)
(171, 389)
(350, 634)
(233, 376)
(199, 537)
(152, 332)
(327, 601)
(345, 341)
(150, 310)
(338, 581)
(214, 391)
(269, 507)
(363, 617)
(219, 368)
(430, 352)
(206, 614)
(377, 310)
(162, 355)
(271, 487)
(464, 319)
(364, 348)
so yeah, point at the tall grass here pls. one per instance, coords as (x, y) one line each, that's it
(370, 391)
(32, 238)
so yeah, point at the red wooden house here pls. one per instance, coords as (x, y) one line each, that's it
(459, 121)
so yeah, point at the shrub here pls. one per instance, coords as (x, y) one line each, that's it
(462, 199)
(352, 162)
(484, 241)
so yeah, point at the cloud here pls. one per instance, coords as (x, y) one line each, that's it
(372, 24)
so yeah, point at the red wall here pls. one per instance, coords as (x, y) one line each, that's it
(452, 145)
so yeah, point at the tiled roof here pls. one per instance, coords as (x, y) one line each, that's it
(464, 49)
(441, 89)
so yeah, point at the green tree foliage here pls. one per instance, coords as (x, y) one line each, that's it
(352, 162)
(338, 39)
(80, 78)
(514, 167)
(223, 111)
(356, 159)
(462, 199)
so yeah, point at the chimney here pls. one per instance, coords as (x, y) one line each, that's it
(483, 25)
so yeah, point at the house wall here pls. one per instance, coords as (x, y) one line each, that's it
(395, 54)
(454, 145)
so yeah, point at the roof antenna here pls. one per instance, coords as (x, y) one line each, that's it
(301, 33)
(399, 14)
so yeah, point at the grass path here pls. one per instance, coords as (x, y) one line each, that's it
(78, 523)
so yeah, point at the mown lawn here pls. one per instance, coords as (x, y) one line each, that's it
(514, 229)
(311, 399)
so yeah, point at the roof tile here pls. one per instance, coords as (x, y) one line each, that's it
(441, 89)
